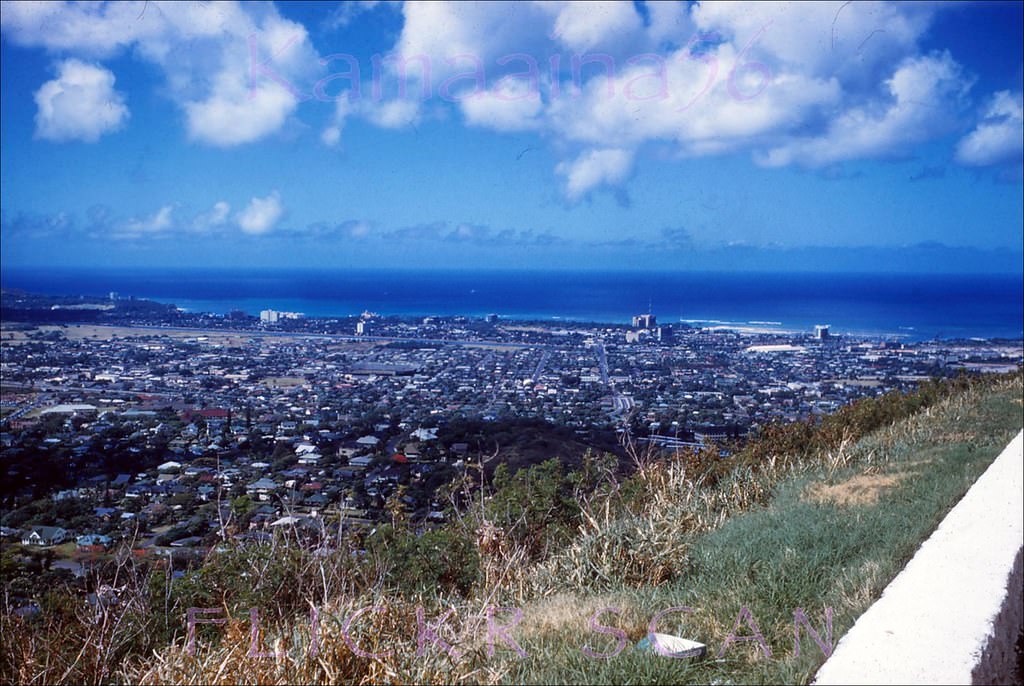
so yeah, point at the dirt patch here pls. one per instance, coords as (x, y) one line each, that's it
(100, 332)
(863, 489)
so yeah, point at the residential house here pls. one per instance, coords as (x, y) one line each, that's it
(262, 488)
(44, 535)
(93, 541)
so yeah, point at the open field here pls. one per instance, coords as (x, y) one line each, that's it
(14, 336)
(106, 333)
(10, 335)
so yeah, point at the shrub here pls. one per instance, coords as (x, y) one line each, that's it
(536, 507)
(439, 561)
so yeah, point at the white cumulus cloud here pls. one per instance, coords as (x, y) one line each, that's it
(999, 137)
(810, 84)
(790, 83)
(220, 213)
(584, 26)
(925, 94)
(512, 105)
(261, 214)
(229, 117)
(596, 168)
(80, 104)
(236, 71)
(331, 136)
(154, 225)
(215, 217)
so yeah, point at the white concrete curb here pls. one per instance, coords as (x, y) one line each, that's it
(952, 615)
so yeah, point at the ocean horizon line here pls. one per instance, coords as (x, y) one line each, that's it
(484, 269)
(904, 305)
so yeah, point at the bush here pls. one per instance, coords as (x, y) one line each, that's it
(438, 561)
(536, 507)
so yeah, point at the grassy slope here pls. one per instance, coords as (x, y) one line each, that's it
(813, 547)
(835, 531)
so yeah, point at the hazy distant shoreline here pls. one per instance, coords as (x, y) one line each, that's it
(908, 306)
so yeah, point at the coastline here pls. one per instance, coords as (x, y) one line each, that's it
(889, 306)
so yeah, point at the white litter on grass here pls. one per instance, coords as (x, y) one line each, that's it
(671, 646)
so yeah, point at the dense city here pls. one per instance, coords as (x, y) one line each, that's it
(127, 420)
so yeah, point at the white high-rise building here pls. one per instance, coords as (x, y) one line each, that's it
(273, 316)
(645, 321)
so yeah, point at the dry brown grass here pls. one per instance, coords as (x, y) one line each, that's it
(863, 489)
(390, 634)
(868, 487)
(73, 641)
(566, 613)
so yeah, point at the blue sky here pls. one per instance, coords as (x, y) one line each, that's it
(840, 136)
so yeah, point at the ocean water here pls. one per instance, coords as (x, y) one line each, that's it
(913, 306)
